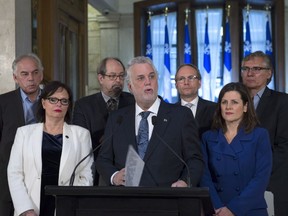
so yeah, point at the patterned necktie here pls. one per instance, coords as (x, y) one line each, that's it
(143, 134)
(189, 105)
(111, 104)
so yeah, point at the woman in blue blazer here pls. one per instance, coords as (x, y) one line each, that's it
(237, 155)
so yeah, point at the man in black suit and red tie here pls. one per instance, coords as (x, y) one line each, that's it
(271, 108)
(167, 125)
(17, 109)
(92, 111)
(188, 82)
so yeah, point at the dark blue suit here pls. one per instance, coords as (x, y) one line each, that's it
(237, 174)
(177, 127)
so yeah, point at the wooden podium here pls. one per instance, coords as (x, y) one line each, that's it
(130, 201)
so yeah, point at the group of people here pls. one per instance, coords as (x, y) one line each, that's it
(237, 147)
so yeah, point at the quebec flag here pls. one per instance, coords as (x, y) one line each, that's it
(269, 49)
(207, 94)
(227, 55)
(187, 45)
(247, 42)
(148, 42)
(166, 76)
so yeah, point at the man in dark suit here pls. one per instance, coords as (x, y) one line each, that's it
(17, 109)
(271, 108)
(188, 82)
(169, 127)
(92, 111)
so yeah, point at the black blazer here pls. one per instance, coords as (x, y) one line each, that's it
(91, 113)
(11, 117)
(272, 112)
(177, 127)
(204, 114)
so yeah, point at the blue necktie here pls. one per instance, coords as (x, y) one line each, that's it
(143, 134)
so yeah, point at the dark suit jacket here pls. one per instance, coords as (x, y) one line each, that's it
(91, 113)
(175, 125)
(204, 114)
(11, 117)
(272, 112)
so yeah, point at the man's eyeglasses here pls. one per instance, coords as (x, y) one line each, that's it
(255, 70)
(189, 78)
(114, 76)
(54, 100)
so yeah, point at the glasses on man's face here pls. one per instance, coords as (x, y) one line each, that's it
(63, 101)
(255, 70)
(113, 77)
(191, 78)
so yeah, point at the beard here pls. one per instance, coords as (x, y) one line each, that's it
(116, 90)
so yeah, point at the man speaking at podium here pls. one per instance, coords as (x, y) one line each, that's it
(165, 136)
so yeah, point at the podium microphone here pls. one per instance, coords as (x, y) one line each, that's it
(71, 182)
(154, 122)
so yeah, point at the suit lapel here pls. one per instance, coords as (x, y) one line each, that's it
(68, 154)
(263, 102)
(36, 139)
(129, 125)
(163, 120)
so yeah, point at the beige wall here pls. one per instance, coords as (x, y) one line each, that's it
(7, 45)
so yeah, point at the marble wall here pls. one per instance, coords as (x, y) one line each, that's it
(7, 45)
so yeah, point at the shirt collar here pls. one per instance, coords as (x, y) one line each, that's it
(25, 97)
(194, 101)
(260, 93)
(106, 97)
(153, 109)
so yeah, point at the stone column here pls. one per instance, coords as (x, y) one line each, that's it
(7, 45)
(109, 35)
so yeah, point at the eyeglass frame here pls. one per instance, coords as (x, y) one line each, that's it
(113, 77)
(255, 70)
(50, 99)
(190, 78)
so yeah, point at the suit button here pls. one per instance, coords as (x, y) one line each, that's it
(237, 189)
(236, 173)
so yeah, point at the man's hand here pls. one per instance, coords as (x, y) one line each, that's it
(119, 178)
(179, 183)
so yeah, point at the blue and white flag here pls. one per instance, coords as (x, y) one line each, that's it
(227, 55)
(206, 81)
(187, 45)
(148, 42)
(166, 76)
(269, 50)
(247, 42)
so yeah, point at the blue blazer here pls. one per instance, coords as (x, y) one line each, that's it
(237, 174)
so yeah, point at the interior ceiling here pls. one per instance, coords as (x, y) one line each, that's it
(104, 5)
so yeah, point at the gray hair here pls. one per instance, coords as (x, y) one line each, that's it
(31, 56)
(139, 60)
(266, 59)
